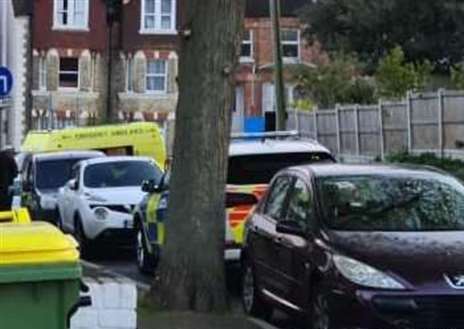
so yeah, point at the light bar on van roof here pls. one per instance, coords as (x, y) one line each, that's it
(266, 135)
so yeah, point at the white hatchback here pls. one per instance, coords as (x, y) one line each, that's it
(97, 203)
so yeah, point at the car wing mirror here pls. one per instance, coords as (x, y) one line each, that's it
(290, 228)
(72, 185)
(234, 199)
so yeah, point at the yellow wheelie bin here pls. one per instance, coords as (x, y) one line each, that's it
(39, 274)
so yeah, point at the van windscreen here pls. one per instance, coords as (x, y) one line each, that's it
(53, 174)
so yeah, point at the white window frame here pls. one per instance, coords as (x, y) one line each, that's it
(42, 73)
(58, 26)
(292, 43)
(63, 72)
(158, 15)
(157, 75)
(248, 59)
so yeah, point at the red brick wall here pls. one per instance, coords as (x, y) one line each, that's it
(44, 37)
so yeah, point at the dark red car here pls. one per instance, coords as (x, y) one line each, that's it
(365, 246)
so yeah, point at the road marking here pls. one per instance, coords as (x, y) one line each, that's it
(140, 285)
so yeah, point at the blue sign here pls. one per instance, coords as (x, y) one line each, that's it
(6, 81)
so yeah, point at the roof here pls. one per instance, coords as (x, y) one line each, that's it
(326, 170)
(116, 159)
(272, 146)
(260, 8)
(68, 155)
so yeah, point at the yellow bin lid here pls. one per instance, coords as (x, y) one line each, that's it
(35, 243)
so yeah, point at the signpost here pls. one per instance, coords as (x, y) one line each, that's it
(6, 81)
(6, 84)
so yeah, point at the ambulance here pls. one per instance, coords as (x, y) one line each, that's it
(138, 139)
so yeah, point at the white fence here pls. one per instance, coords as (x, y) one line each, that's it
(422, 122)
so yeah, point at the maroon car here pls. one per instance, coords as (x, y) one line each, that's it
(365, 246)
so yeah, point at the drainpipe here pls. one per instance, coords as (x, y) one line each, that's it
(109, 93)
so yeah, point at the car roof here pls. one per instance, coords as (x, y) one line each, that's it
(111, 159)
(274, 146)
(335, 170)
(68, 155)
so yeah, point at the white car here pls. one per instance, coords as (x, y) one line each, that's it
(97, 203)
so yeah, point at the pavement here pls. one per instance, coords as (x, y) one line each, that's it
(122, 264)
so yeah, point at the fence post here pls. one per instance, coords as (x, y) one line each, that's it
(356, 129)
(381, 132)
(409, 121)
(316, 132)
(337, 121)
(440, 122)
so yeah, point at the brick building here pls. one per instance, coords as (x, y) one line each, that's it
(117, 59)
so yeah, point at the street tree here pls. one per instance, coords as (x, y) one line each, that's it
(191, 272)
(426, 29)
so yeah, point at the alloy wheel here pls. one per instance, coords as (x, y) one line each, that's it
(140, 249)
(248, 290)
(321, 318)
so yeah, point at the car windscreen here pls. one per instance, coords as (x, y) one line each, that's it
(53, 174)
(392, 203)
(120, 174)
(260, 168)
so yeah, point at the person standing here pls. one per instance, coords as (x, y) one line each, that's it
(8, 172)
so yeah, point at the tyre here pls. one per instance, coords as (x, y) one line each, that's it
(79, 234)
(145, 261)
(252, 301)
(319, 316)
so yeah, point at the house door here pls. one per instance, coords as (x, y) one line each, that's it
(238, 115)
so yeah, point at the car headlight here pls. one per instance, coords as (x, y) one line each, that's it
(364, 275)
(101, 213)
(47, 202)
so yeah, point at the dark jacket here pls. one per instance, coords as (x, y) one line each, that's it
(8, 171)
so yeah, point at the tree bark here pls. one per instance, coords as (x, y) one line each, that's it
(191, 275)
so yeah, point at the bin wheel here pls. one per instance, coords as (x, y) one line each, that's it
(145, 261)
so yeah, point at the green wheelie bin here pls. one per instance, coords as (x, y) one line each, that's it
(39, 276)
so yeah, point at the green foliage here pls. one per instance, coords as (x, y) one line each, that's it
(395, 76)
(337, 81)
(426, 29)
(452, 166)
(457, 76)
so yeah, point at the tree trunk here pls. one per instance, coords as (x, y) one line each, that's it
(191, 275)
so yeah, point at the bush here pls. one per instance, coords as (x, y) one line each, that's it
(453, 166)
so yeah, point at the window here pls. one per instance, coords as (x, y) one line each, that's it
(275, 203)
(158, 16)
(156, 76)
(71, 14)
(269, 102)
(69, 73)
(290, 44)
(246, 52)
(42, 73)
(300, 205)
(129, 86)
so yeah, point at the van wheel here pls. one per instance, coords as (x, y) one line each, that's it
(79, 234)
(145, 261)
(252, 302)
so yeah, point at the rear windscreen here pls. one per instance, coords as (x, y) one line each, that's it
(260, 168)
